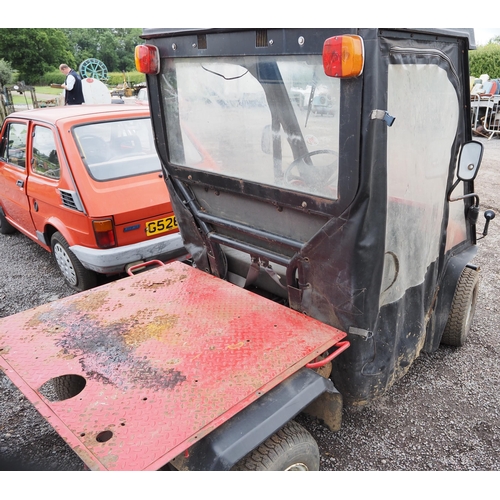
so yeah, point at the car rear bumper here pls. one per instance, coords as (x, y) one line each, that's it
(114, 260)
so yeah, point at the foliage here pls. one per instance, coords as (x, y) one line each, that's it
(54, 76)
(132, 78)
(33, 51)
(486, 60)
(113, 46)
(6, 73)
(115, 78)
(37, 52)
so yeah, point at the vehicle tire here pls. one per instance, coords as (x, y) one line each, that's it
(290, 448)
(71, 268)
(68, 386)
(5, 226)
(462, 309)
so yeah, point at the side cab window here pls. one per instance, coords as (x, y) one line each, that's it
(13, 146)
(44, 159)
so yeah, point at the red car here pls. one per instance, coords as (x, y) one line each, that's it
(86, 184)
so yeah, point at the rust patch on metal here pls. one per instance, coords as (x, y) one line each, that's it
(153, 329)
(104, 355)
(106, 352)
(146, 284)
(53, 317)
(91, 301)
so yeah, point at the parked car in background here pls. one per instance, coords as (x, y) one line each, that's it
(86, 184)
(142, 97)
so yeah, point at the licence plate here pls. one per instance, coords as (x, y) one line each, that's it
(161, 226)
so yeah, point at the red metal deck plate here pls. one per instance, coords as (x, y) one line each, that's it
(168, 356)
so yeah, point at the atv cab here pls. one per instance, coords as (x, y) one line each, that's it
(316, 167)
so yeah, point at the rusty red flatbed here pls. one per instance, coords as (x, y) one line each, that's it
(167, 355)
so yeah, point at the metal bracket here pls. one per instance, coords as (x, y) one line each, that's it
(379, 114)
(366, 334)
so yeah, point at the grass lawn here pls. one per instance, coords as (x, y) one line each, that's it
(26, 97)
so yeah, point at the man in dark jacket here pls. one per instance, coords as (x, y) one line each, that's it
(72, 85)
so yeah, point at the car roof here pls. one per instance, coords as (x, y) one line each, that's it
(73, 113)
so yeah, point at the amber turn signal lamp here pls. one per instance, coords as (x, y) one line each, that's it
(104, 233)
(147, 59)
(343, 56)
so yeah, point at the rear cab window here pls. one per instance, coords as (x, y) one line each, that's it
(253, 116)
(116, 149)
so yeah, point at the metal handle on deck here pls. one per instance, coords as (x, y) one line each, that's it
(341, 347)
(144, 264)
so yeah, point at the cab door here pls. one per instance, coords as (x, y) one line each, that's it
(14, 175)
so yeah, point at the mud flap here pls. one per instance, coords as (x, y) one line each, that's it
(225, 446)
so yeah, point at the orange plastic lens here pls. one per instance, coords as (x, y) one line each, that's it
(101, 226)
(104, 234)
(147, 59)
(343, 56)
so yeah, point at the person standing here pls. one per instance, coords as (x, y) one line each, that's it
(72, 86)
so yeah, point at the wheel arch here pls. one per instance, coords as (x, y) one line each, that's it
(56, 226)
(456, 264)
(233, 440)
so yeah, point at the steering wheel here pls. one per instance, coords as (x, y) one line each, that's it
(309, 173)
(95, 149)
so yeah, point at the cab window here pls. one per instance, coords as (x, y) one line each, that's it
(45, 160)
(116, 149)
(14, 148)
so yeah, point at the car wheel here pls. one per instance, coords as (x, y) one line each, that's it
(462, 309)
(292, 448)
(5, 226)
(71, 268)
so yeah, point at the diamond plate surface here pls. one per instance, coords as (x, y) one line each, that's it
(168, 355)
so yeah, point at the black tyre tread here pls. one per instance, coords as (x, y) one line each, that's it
(67, 387)
(5, 226)
(86, 279)
(267, 455)
(457, 327)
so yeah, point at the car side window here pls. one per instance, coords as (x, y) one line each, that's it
(14, 148)
(45, 160)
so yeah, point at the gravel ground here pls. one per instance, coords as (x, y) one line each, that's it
(443, 415)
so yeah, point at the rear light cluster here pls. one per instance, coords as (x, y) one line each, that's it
(147, 59)
(343, 56)
(104, 233)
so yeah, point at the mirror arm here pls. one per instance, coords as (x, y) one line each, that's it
(470, 195)
(452, 189)
(465, 196)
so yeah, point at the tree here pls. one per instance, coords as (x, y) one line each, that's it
(6, 73)
(113, 46)
(486, 59)
(34, 51)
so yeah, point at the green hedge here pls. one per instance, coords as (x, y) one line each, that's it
(51, 77)
(485, 60)
(132, 78)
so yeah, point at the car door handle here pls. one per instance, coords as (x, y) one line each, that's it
(20, 183)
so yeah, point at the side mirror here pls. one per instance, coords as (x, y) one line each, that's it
(468, 167)
(470, 160)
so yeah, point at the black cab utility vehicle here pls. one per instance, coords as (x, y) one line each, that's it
(322, 180)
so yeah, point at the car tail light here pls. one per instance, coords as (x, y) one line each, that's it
(104, 233)
(147, 59)
(343, 56)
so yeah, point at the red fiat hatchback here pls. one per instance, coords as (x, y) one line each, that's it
(86, 184)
